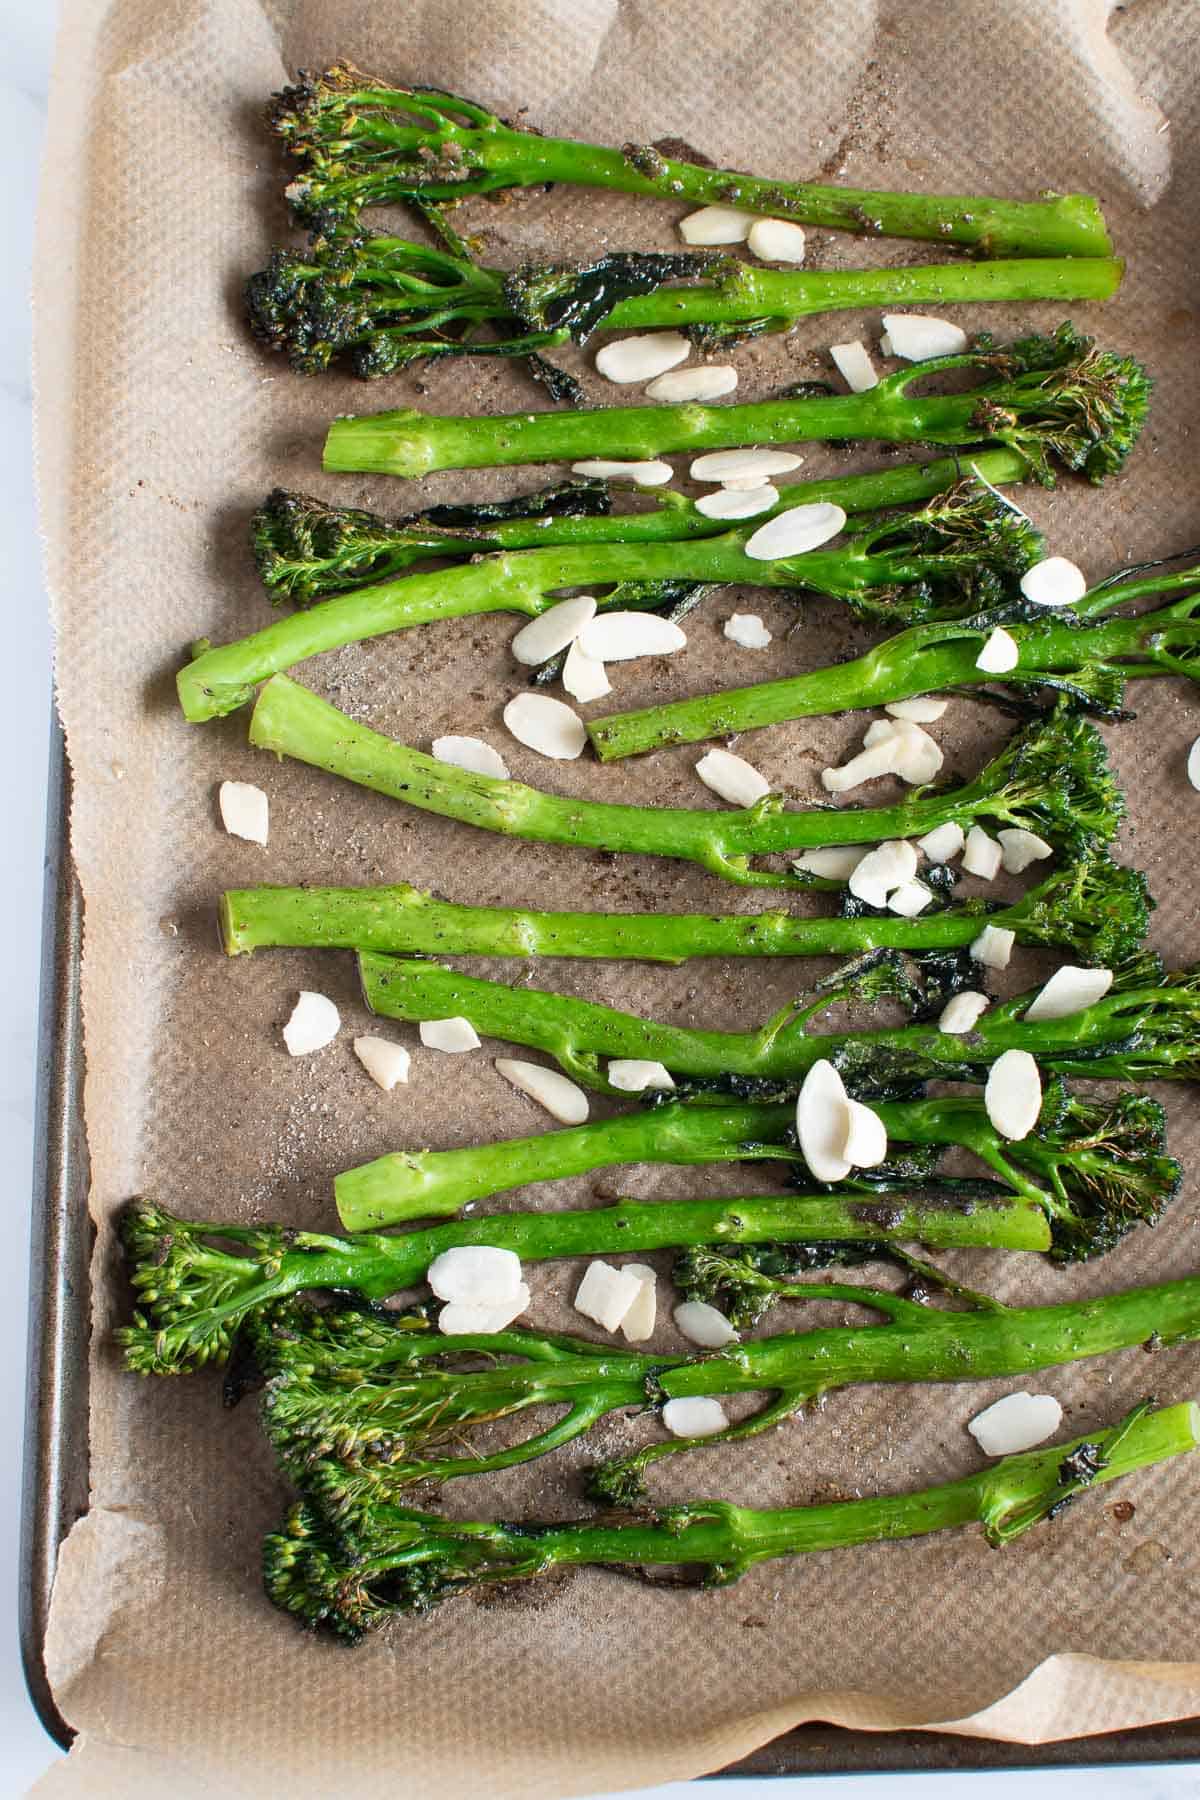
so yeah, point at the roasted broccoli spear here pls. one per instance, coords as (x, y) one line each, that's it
(362, 142)
(407, 1562)
(1058, 400)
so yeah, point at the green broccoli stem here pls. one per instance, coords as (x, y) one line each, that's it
(1088, 661)
(447, 148)
(408, 1562)
(290, 720)
(1143, 1032)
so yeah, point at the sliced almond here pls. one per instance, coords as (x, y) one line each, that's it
(882, 870)
(865, 1145)
(836, 862)
(962, 1012)
(916, 337)
(878, 731)
(557, 627)
(716, 225)
(943, 843)
(385, 1062)
(1000, 653)
(638, 1323)
(245, 811)
(922, 709)
(454, 1036)
(463, 1319)
(583, 677)
(909, 899)
(477, 1274)
(1054, 582)
(796, 531)
(854, 365)
(1193, 764)
(703, 1324)
(777, 240)
(314, 1022)
(919, 757)
(742, 465)
(634, 1074)
(822, 1121)
(1013, 1094)
(994, 946)
(738, 503)
(706, 382)
(1016, 1423)
(470, 753)
(545, 725)
(747, 631)
(549, 1087)
(983, 855)
(640, 358)
(696, 1416)
(605, 1294)
(732, 777)
(621, 636)
(1069, 991)
(1020, 848)
(642, 474)
(880, 759)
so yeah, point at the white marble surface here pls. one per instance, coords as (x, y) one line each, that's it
(26, 33)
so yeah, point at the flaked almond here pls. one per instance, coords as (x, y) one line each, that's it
(882, 870)
(865, 1144)
(834, 862)
(462, 1318)
(738, 503)
(703, 1324)
(696, 1416)
(1069, 991)
(605, 1294)
(732, 777)
(470, 753)
(557, 627)
(1000, 653)
(994, 946)
(386, 1063)
(909, 899)
(743, 465)
(747, 631)
(245, 811)
(549, 1087)
(621, 636)
(962, 1012)
(796, 531)
(1016, 1423)
(477, 1274)
(982, 856)
(634, 1074)
(640, 358)
(943, 843)
(642, 474)
(854, 365)
(638, 1323)
(822, 1121)
(314, 1022)
(454, 1036)
(880, 759)
(1054, 581)
(583, 677)
(777, 240)
(545, 725)
(716, 225)
(916, 337)
(1021, 847)
(1193, 764)
(708, 381)
(919, 756)
(1013, 1094)
(922, 709)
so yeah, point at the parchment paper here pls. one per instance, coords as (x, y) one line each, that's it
(160, 426)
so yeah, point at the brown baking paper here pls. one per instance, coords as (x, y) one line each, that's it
(160, 426)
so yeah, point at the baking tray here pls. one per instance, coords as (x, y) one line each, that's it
(55, 1483)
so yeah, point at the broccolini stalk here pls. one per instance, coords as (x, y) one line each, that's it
(408, 1562)
(1080, 655)
(1096, 1168)
(362, 142)
(358, 1407)
(1146, 1028)
(962, 550)
(198, 1282)
(306, 549)
(386, 303)
(1051, 777)
(1059, 401)
(1096, 910)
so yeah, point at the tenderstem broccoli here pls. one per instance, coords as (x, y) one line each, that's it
(961, 551)
(408, 1562)
(1057, 400)
(1051, 777)
(363, 142)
